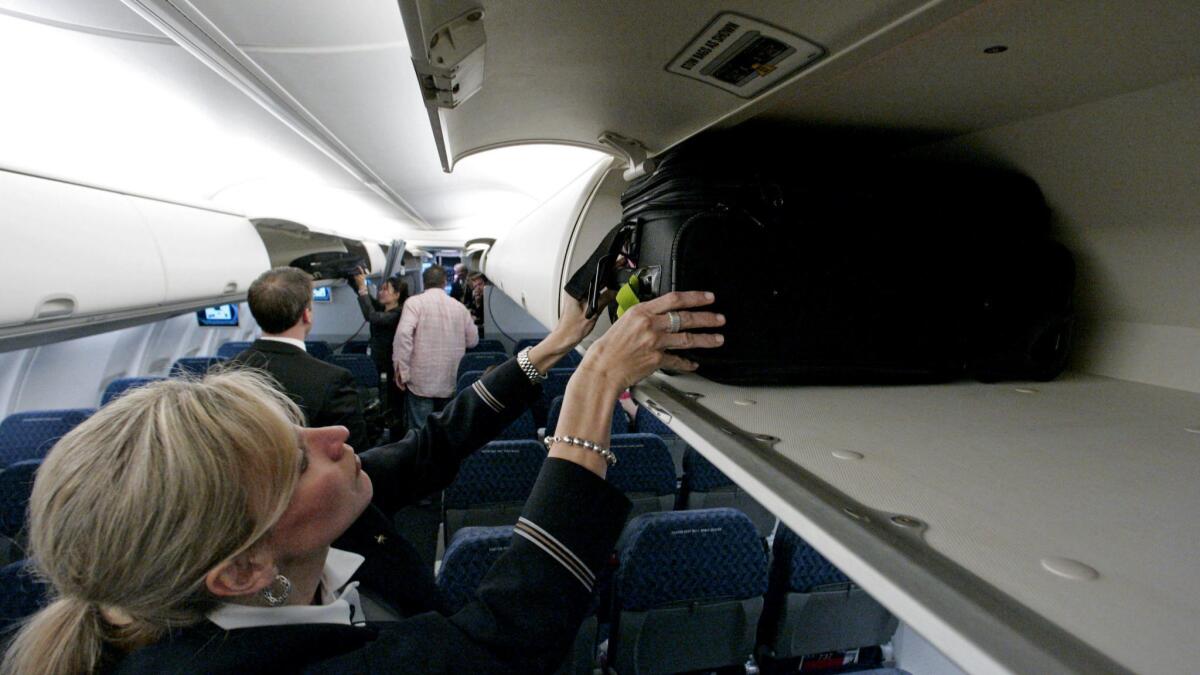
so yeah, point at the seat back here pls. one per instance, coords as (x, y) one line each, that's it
(688, 592)
(16, 484)
(527, 342)
(232, 349)
(620, 423)
(811, 607)
(356, 347)
(492, 485)
(21, 594)
(469, 556)
(467, 379)
(361, 367)
(522, 429)
(480, 361)
(123, 384)
(703, 486)
(643, 472)
(319, 349)
(30, 435)
(488, 346)
(193, 365)
(644, 422)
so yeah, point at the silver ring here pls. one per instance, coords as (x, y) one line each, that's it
(673, 322)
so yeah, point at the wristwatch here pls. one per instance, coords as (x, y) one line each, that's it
(527, 367)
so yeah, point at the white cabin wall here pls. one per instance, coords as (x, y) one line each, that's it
(1121, 177)
(506, 321)
(335, 321)
(74, 373)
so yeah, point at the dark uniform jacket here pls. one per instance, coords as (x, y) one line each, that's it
(528, 608)
(326, 393)
(383, 330)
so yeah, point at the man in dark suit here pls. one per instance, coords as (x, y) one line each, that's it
(281, 302)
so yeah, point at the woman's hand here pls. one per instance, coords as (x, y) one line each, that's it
(360, 281)
(573, 326)
(641, 341)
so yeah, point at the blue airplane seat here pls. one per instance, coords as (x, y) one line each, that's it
(123, 384)
(688, 592)
(620, 423)
(356, 347)
(492, 485)
(480, 361)
(703, 486)
(360, 366)
(644, 472)
(488, 346)
(29, 435)
(319, 349)
(16, 484)
(526, 342)
(195, 366)
(232, 349)
(812, 607)
(467, 379)
(21, 594)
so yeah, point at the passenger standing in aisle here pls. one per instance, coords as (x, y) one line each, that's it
(281, 302)
(434, 332)
(383, 313)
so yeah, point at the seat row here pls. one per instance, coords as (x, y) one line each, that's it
(698, 590)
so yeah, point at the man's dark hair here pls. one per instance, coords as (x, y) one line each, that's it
(399, 287)
(434, 277)
(279, 297)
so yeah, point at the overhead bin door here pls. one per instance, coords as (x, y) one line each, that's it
(206, 254)
(70, 250)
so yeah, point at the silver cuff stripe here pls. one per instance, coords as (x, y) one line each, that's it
(586, 586)
(491, 401)
(529, 530)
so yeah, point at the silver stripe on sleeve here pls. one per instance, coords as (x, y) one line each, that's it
(491, 401)
(566, 552)
(537, 541)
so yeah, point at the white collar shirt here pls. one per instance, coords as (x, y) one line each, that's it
(285, 340)
(340, 602)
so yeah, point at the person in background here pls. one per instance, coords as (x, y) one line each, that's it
(195, 526)
(473, 298)
(383, 314)
(458, 287)
(433, 334)
(281, 302)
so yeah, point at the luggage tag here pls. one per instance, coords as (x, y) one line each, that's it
(601, 270)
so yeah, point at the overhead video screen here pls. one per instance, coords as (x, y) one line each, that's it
(220, 315)
(323, 294)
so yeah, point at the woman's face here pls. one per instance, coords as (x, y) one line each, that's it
(330, 495)
(386, 294)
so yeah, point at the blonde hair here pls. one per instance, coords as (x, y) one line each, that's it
(134, 507)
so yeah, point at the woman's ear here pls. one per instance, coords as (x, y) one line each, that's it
(245, 574)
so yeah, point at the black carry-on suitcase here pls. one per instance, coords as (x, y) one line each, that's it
(906, 272)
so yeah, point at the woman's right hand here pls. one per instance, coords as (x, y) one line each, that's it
(639, 342)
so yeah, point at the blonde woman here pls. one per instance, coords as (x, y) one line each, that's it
(197, 527)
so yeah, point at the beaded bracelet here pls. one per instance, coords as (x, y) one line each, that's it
(594, 447)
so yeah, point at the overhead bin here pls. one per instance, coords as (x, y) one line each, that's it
(289, 243)
(526, 264)
(205, 254)
(71, 250)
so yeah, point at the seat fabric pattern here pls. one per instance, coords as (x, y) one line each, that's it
(502, 471)
(469, 556)
(643, 464)
(195, 366)
(488, 346)
(686, 556)
(480, 361)
(30, 435)
(522, 429)
(21, 593)
(699, 475)
(123, 384)
(16, 484)
(644, 422)
(467, 379)
(319, 349)
(806, 569)
(360, 366)
(232, 349)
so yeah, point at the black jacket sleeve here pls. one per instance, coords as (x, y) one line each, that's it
(426, 461)
(377, 317)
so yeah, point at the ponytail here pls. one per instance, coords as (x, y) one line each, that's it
(65, 637)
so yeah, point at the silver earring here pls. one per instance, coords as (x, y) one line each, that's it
(285, 589)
